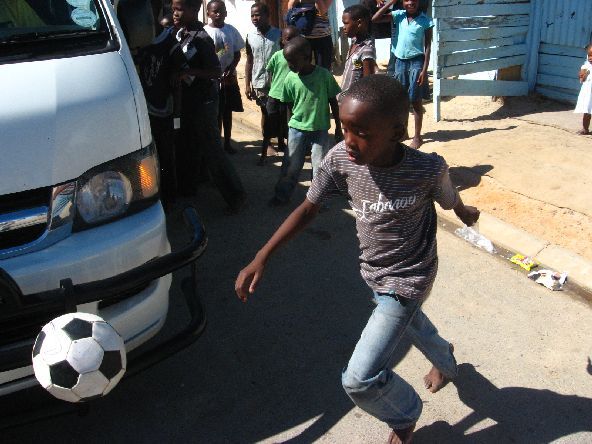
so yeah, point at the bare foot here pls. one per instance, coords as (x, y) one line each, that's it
(435, 379)
(401, 436)
(416, 142)
(583, 132)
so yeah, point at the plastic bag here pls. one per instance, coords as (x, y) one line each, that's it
(472, 235)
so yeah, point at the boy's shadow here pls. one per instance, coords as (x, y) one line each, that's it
(468, 177)
(520, 414)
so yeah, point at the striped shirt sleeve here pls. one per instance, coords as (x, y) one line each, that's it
(323, 185)
(445, 193)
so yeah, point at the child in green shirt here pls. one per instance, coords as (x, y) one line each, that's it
(307, 90)
(277, 67)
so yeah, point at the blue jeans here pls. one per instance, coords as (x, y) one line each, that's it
(368, 379)
(407, 72)
(293, 161)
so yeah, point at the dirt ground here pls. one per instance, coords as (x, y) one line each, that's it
(518, 160)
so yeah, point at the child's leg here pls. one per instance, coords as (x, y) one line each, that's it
(227, 122)
(586, 123)
(320, 144)
(282, 127)
(439, 352)
(368, 378)
(414, 67)
(418, 119)
(262, 101)
(273, 119)
(292, 164)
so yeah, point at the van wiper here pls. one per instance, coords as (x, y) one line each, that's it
(48, 35)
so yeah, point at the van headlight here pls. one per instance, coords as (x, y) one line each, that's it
(117, 188)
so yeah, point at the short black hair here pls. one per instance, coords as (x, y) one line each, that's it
(385, 96)
(299, 45)
(262, 7)
(357, 12)
(194, 4)
(212, 2)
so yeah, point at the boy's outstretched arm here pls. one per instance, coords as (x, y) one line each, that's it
(335, 112)
(383, 15)
(249, 277)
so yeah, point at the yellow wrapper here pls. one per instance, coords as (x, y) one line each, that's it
(525, 262)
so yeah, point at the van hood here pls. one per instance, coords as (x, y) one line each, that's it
(61, 117)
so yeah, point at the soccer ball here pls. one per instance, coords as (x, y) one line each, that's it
(78, 357)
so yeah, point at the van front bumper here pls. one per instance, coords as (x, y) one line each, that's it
(14, 305)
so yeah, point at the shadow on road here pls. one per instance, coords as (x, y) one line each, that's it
(450, 135)
(520, 414)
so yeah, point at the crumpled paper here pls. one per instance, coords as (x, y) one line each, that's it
(553, 280)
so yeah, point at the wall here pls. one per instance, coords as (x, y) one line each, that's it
(564, 29)
(239, 15)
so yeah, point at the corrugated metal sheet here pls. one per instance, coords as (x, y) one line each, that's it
(566, 28)
(566, 22)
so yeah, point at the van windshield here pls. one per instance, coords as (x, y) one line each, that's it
(51, 25)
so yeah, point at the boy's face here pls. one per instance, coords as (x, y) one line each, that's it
(258, 18)
(350, 26)
(183, 14)
(411, 6)
(370, 138)
(297, 62)
(590, 54)
(217, 13)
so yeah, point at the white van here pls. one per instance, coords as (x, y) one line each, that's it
(81, 224)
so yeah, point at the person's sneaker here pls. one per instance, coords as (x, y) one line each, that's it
(401, 436)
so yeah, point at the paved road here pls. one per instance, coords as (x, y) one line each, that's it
(269, 371)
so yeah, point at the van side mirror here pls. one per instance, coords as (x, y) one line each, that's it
(137, 22)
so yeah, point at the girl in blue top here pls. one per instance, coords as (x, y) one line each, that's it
(412, 48)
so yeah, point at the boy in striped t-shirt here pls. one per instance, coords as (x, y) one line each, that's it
(392, 190)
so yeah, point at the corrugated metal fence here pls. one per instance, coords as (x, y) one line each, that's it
(565, 28)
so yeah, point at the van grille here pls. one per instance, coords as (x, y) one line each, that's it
(15, 202)
(25, 328)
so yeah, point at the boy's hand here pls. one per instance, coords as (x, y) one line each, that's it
(467, 214)
(250, 93)
(583, 75)
(423, 75)
(248, 278)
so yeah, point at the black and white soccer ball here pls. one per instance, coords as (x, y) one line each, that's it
(78, 357)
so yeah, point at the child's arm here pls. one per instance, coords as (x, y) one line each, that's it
(368, 67)
(249, 72)
(335, 112)
(383, 15)
(583, 75)
(427, 47)
(249, 277)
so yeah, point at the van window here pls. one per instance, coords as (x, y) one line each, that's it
(37, 28)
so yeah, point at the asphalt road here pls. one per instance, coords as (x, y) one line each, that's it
(269, 370)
